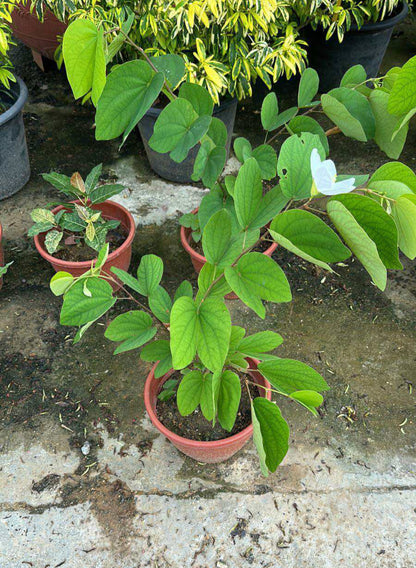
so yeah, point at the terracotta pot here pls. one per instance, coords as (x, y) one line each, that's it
(198, 260)
(41, 37)
(1, 253)
(120, 257)
(207, 452)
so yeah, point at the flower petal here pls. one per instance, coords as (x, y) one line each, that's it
(345, 186)
(323, 180)
(315, 161)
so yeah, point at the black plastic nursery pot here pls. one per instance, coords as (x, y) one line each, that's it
(14, 158)
(162, 163)
(365, 46)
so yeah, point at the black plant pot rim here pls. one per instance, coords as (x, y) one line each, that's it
(19, 103)
(154, 111)
(389, 22)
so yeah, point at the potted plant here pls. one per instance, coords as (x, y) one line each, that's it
(14, 163)
(214, 49)
(346, 33)
(71, 235)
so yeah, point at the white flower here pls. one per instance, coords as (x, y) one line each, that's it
(324, 176)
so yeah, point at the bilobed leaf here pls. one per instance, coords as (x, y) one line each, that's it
(393, 172)
(267, 160)
(242, 149)
(184, 289)
(149, 274)
(119, 108)
(160, 304)
(285, 117)
(269, 112)
(270, 205)
(189, 392)
(132, 328)
(199, 98)
(207, 397)
(359, 242)
(310, 235)
(257, 277)
(216, 237)
(213, 332)
(237, 334)
(127, 279)
(260, 342)
(341, 116)
(271, 434)
(354, 76)
(52, 240)
(229, 395)
(308, 87)
(60, 282)
(310, 399)
(209, 163)
(178, 129)
(378, 225)
(404, 214)
(403, 94)
(386, 125)
(294, 165)
(78, 309)
(288, 376)
(83, 50)
(183, 332)
(207, 275)
(210, 204)
(172, 66)
(158, 350)
(248, 192)
(302, 123)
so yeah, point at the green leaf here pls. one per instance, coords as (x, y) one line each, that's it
(301, 124)
(229, 395)
(261, 342)
(189, 392)
(178, 129)
(267, 160)
(172, 66)
(43, 216)
(133, 329)
(52, 240)
(210, 204)
(104, 192)
(83, 50)
(271, 434)
(354, 76)
(386, 126)
(308, 87)
(72, 222)
(387, 174)
(119, 108)
(39, 228)
(60, 282)
(294, 165)
(310, 399)
(183, 332)
(285, 117)
(160, 304)
(248, 192)
(199, 98)
(149, 274)
(269, 112)
(378, 225)
(207, 275)
(359, 242)
(127, 279)
(184, 289)
(288, 376)
(237, 334)
(207, 397)
(158, 350)
(270, 205)
(242, 149)
(257, 277)
(93, 178)
(213, 332)
(78, 309)
(306, 233)
(209, 163)
(404, 214)
(61, 182)
(342, 117)
(403, 94)
(216, 237)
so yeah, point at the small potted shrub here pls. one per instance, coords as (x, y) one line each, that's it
(14, 162)
(71, 235)
(211, 49)
(346, 33)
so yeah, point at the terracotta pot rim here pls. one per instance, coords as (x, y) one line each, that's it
(186, 237)
(175, 438)
(65, 264)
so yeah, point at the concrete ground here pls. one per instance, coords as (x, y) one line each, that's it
(346, 493)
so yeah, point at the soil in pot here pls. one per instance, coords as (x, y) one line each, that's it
(196, 426)
(81, 252)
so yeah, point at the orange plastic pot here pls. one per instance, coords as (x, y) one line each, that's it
(119, 258)
(198, 260)
(206, 452)
(41, 37)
